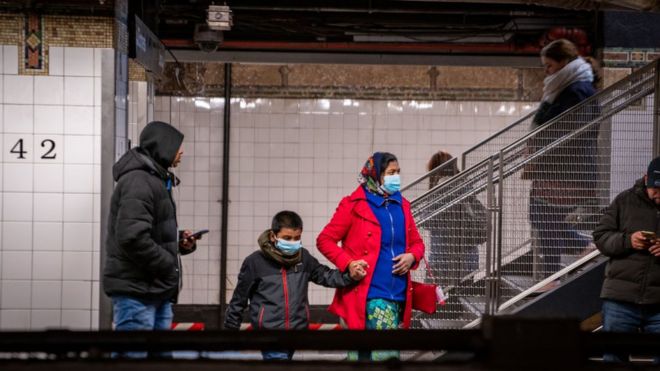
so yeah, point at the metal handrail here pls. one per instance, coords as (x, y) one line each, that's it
(492, 137)
(547, 148)
(469, 150)
(568, 269)
(637, 87)
(589, 100)
(431, 173)
(544, 127)
(614, 86)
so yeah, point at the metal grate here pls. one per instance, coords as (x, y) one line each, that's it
(528, 209)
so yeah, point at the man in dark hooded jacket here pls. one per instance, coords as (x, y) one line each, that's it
(142, 272)
(628, 235)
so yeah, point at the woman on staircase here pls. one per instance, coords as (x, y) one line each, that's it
(564, 178)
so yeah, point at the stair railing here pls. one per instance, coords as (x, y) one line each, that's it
(487, 178)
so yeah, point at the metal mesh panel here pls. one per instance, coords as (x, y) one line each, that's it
(471, 157)
(498, 141)
(546, 193)
(454, 223)
(421, 185)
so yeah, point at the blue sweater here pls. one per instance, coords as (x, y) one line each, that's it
(389, 212)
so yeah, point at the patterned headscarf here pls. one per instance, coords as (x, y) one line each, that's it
(370, 174)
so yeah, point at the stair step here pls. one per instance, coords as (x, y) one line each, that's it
(519, 283)
(443, 324)
(475, 304)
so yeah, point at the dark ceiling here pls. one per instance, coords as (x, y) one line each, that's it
(373, 26)
(357, 26)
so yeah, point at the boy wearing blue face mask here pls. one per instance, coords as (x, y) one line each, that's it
(274, 281)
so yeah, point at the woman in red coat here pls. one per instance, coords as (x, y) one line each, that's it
(374, 224)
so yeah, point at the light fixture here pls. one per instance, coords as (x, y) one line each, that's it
(219, 18)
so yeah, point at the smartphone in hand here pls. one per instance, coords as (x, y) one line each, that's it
(197, 234)
(649, 236)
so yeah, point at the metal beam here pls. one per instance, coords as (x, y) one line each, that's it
(353, 58)
(644, 5)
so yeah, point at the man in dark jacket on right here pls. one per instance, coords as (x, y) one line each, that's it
(627, 235)
(142, 273)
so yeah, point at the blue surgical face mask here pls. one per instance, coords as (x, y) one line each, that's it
(288, 247)
(392, 183)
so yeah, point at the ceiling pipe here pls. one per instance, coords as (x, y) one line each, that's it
(482, 48)
(383, 10)
(643, 5)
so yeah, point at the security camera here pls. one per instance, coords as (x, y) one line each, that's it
(207, 40)
(207, 46)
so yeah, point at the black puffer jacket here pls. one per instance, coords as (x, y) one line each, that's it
(142, 248)
(278, 295)
(631, 275)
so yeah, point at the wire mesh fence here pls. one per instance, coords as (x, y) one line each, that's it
(496, 142)
(528, 210)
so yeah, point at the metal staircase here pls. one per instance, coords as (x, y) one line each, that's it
(544, 192)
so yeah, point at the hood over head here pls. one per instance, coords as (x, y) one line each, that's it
(161, 141)
(136, 159)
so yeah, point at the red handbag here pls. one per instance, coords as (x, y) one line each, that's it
(424, 297)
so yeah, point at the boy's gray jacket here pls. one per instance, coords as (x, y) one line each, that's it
(631, 275)
(278, 296)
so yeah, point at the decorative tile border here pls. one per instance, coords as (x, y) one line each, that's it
(10, 26)
(35, 33)
(628, 57)
(356, 82)
(33, 44)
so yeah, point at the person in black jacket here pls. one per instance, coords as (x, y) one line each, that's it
(142, 273)
(274, 280)
(627, 235)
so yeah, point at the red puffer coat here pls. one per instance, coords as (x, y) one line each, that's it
(356, 226)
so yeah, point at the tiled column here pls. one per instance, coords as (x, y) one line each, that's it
(51, 156)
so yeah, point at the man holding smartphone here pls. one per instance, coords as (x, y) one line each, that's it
(627, 235)
(142, 273)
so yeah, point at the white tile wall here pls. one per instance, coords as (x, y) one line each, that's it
(48, 119)
(302, 155)
(10, 60)
(17, 236)
(18, 118)
(79, 62)
(49, 200)
(49, 90)
(44, 319)
(56, 61)
(46, 295)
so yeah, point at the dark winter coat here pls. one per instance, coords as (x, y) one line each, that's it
(631, 275)
(142, 244)
(277, 295)
(568, 172)
(569, 97)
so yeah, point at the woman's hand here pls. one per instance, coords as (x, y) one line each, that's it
(403, 263)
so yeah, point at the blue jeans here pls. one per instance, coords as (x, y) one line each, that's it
(130, 314)
(274, 355)
(627, 317)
